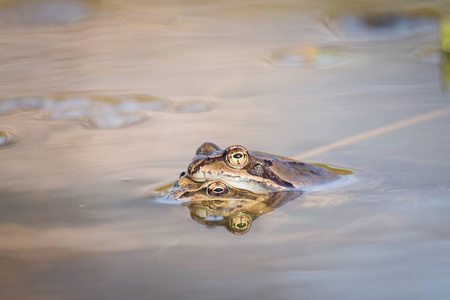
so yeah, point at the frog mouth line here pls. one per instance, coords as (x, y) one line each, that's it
(201, 177)
(233, 181)
(198, 176)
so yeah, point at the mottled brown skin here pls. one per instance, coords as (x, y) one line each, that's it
(255, 171)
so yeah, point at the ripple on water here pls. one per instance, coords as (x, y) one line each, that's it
(307, 56)
(6, 137)
(44, 12)
(382, 25)
(193, 106)
(431, 55)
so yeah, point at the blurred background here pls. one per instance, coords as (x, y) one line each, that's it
(103, 101)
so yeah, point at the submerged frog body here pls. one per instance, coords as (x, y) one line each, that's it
(255, 171)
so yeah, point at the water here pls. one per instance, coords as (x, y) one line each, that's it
(108, 100)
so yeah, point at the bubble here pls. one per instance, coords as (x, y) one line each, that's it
(113, 120)
(102, 111)
(6, 137)
(143, 103)
(14, 105)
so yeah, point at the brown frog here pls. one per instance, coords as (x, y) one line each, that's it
(255, 171)
(215, 203)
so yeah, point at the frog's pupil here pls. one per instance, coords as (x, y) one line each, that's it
(218, 190)
(241, 225)
(237, 155)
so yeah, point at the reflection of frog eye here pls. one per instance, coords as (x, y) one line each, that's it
(240, 223)
(217, 189)
(237, 157)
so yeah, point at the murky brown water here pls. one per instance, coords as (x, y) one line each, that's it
(103, 101)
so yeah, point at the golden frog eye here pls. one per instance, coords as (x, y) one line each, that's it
(217, 189)
(237, 157)
(240, 224)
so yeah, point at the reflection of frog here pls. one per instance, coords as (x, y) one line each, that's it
(254, 171)
(215, 203)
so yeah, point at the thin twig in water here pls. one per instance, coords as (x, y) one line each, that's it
(375, 132)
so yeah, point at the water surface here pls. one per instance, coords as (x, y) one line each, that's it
(110, 99)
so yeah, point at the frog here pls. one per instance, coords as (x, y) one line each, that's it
(255, 171)
(215, 203)
(187, 190)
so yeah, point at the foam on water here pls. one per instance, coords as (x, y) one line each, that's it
(101, 111)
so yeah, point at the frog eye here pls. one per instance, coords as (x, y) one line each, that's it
(217, 189)
(240, 224)
(237, 157)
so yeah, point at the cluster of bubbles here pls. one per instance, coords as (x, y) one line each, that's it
(101, 112)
